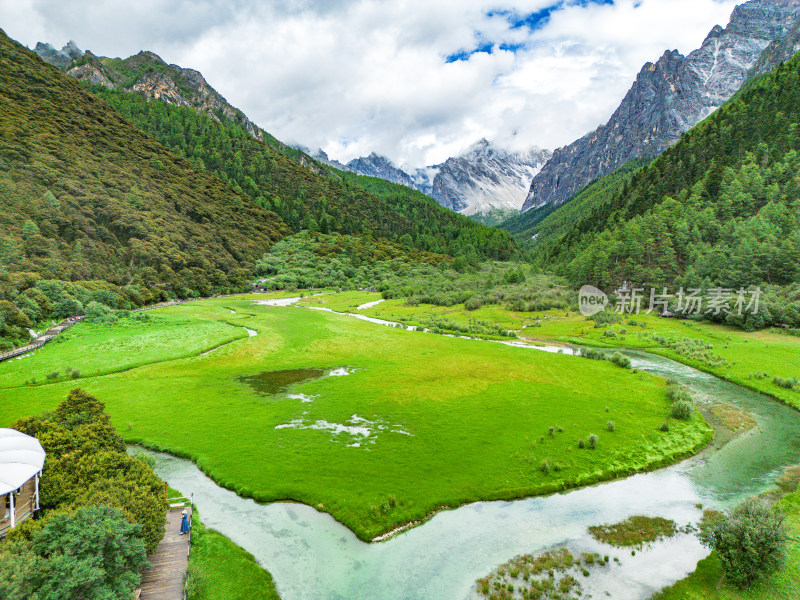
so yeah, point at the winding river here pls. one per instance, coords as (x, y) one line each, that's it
(311, 556)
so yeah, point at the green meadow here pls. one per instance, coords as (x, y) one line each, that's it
(418, 423)
(147, 338)
(399, 310)
(750, 359)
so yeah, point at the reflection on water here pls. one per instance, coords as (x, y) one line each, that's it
(312, 556)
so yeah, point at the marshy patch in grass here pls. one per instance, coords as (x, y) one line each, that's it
(358, 431)
(269, 383)
(635, 531)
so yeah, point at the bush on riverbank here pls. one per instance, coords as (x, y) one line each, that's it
(93, 552)
(750, 540)
(87, 466)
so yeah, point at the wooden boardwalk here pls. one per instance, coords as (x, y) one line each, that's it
(164, 580)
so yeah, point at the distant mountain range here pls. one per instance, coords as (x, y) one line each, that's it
(672, 95)
(485, 178)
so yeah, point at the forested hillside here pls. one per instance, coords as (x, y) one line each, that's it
(94, 212)
(301, 196)
(721, 207)
(86, 195)
(548, 223)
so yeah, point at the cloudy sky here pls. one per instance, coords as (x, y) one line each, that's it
(416, 80)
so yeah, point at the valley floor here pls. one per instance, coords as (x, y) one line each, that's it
(419, 422)
(383, 426)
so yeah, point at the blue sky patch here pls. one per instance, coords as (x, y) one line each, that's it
(537, 20)
(485, 47)
(532, 21)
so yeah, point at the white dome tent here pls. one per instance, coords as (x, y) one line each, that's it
(21, 463)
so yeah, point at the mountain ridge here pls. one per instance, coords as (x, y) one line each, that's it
(669, 97)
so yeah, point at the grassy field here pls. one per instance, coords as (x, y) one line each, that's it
(397, 310)
(144, 339)
(707, 583)
(218, 568)
(420, 422)
(751, 359)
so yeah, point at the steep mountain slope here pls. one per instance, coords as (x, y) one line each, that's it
(721, 207)
(86, 195)
(671, 96)
(148, 74)
(178, 108)
(542, 225)
(304, 199)
(483, 179)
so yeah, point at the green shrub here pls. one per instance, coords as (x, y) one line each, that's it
(605, 317)
(789, 384)
(621, 361)
(750, 540)
(682, 409)
(678, 393)
(581, 444)
(593, 439)
(610, 425)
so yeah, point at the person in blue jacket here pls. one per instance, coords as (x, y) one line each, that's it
(185, 522)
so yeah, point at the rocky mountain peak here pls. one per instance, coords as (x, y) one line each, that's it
(58, 58)
(671, 96)
(484, 178)
(147, 73)
(376, 165)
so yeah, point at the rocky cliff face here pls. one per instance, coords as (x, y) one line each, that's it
(483, 179)
(672, 96)
(148, 74)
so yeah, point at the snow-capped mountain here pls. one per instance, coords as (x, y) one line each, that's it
(375, 165)
(487, 178)
(483, 179)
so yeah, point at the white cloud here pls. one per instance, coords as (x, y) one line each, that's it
(363, 75)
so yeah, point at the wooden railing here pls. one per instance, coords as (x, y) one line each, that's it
(21, 511)
(41, 340)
